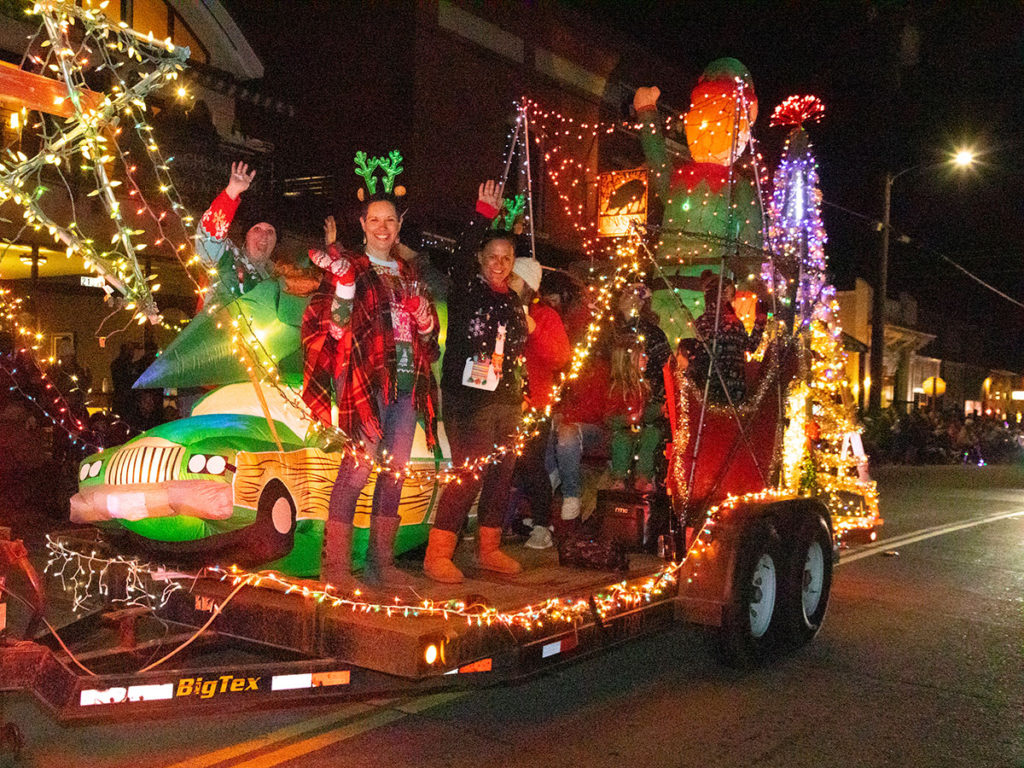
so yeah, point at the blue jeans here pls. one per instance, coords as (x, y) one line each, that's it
(573, 440)
(398, 422)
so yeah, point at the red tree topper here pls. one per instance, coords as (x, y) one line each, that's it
(797, 110)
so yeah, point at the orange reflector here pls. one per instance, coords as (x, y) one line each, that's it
(484, 665)
(341, 677)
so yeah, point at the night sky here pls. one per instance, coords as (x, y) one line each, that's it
(904, 84)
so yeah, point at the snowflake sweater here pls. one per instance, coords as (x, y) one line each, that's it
(475, 312)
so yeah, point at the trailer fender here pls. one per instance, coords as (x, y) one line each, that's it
(706, 580)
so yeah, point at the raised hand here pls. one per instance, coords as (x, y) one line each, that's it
(490, 194)
(330, 231)
(646, 98)
(240, 179)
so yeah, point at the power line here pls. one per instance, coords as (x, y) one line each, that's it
(905, 239)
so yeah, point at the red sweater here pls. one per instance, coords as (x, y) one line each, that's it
(547, 352)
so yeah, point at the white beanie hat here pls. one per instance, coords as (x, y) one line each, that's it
(529, 270)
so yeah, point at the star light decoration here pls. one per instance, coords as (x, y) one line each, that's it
(80, 42)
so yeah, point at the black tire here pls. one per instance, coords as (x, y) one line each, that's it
(750, 631)
(807, 581)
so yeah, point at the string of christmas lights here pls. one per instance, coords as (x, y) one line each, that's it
(88, 575)
(92, 576)
(253, 355)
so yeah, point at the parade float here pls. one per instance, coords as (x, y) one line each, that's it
(213, 523)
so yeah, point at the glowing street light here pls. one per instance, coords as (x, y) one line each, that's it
(962, 158)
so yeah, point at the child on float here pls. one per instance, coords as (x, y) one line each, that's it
(631, 415)
(547, 352)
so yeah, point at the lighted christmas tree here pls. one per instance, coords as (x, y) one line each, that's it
(820, 411)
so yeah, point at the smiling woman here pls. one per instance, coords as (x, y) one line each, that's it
(481, 384)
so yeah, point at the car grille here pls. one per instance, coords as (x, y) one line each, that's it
(145, 464)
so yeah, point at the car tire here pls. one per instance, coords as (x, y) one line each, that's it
(750, 631)
(807, 581)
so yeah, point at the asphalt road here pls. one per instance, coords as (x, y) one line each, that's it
(920, 663)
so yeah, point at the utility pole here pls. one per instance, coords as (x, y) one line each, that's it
(877, 373)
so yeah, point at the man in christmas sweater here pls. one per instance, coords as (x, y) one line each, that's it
(233, 270)
(369, 337)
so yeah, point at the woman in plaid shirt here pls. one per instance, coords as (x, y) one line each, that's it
(369, 338)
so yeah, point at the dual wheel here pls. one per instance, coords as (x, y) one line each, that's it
(781, 591)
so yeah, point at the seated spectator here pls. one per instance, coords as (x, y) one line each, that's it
(724, 337)
(581, 429)
(631, 416)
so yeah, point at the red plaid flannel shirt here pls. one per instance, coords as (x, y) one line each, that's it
(362, 362)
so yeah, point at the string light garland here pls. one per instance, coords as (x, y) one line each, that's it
(88, 576)
(253, 355)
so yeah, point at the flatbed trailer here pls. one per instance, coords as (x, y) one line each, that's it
(284, 642)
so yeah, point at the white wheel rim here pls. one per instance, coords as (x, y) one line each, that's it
(813, 579)
(281, 515)
(762, 601)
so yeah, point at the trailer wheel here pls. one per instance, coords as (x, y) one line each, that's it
(749, 633)
(807, 581)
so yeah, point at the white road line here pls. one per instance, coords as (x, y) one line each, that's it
(924, 533)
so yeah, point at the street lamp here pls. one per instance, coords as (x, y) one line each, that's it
(962, 159)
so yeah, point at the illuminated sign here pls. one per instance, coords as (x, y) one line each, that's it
(1017, 394)
(621, 200)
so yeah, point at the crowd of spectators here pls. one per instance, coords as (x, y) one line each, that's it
(942, 437)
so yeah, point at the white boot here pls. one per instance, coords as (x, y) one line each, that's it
(570, 507)
(540, 538)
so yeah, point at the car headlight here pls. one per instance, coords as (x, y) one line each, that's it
(197, 463)
(90, 469)
(201, 464)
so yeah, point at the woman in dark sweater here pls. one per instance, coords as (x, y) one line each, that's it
(481, 391)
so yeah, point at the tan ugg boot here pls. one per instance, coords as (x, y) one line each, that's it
(380, 554)
(437, 564)
(490, 556)
(336, 565)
